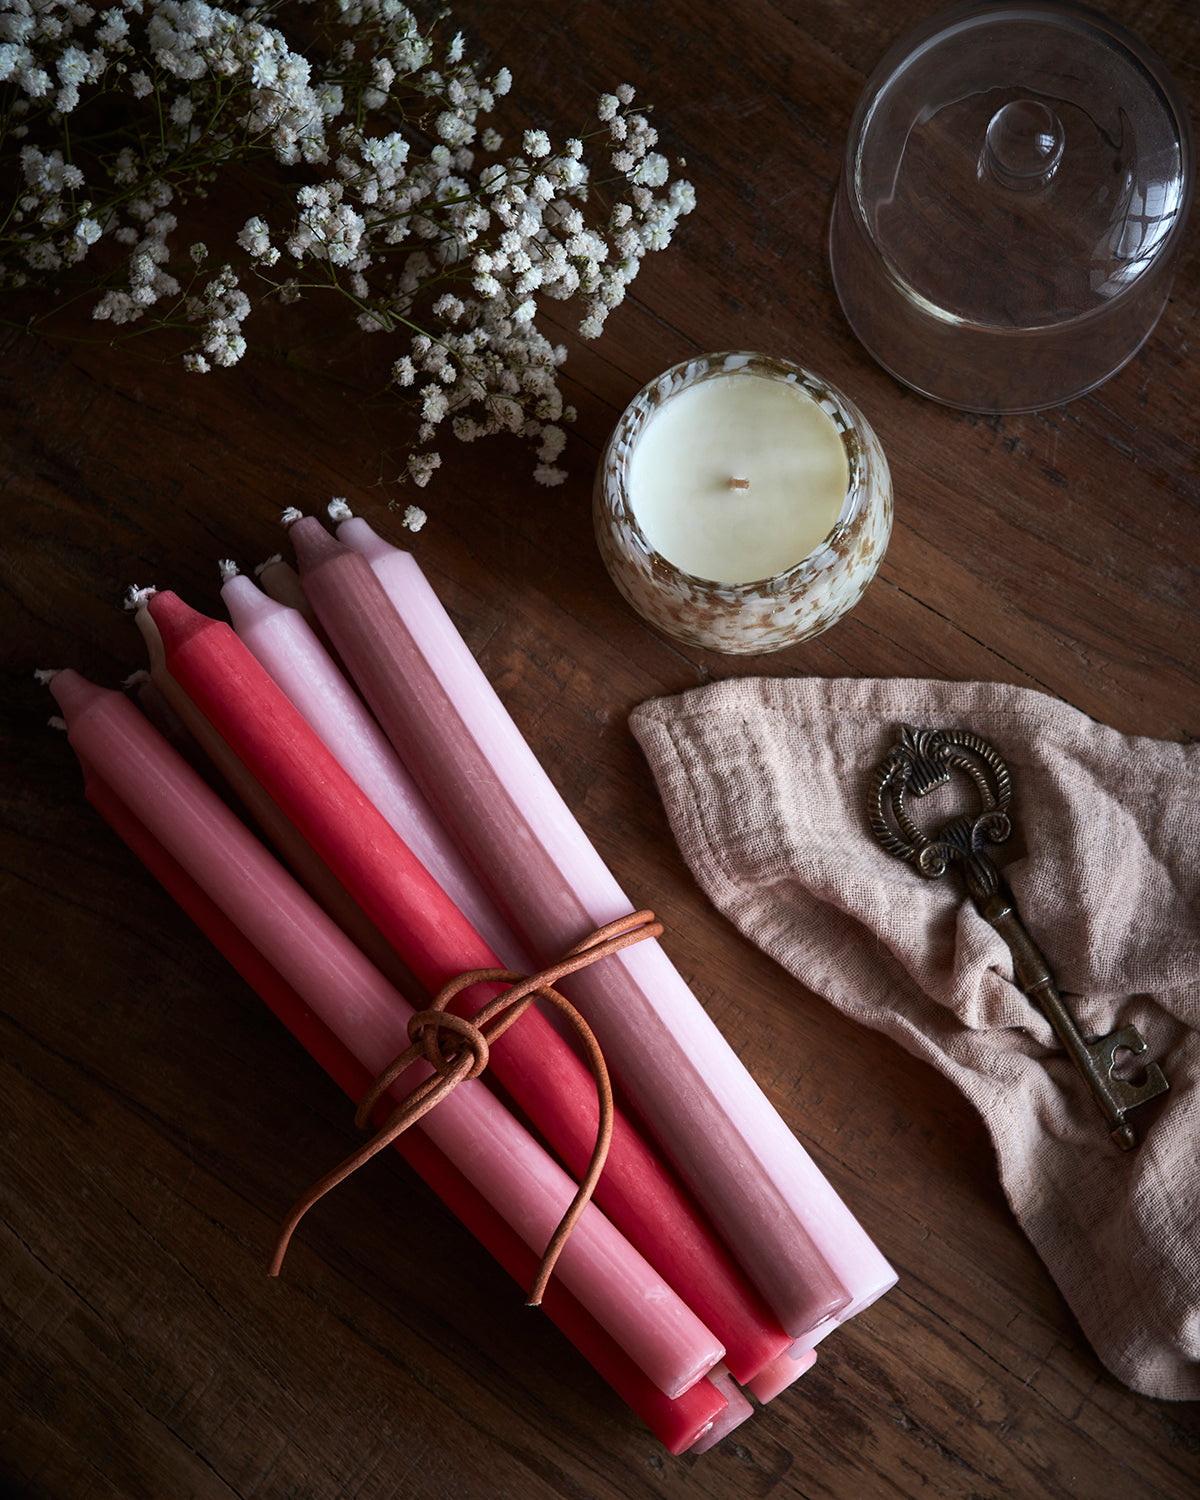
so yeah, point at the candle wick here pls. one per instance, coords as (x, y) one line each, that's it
(737, 483)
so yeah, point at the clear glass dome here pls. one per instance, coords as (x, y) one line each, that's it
(1016, 183)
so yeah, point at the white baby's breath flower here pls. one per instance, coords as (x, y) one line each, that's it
(653, 170)
(36, 82)
(114, 28)
(537, 143)
(449, 307)
(453, 128)
(421, 467)
(225, 347)
(433, 403)
(554, 440)
(446, 248)
(254, 237)
(116, 307)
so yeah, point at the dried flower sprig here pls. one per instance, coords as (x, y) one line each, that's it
(387, 186)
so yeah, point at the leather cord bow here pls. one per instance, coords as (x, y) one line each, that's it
(458, 1049)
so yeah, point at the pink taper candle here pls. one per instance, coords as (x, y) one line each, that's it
(312, 954)
(781, 1373)
(804, 1250)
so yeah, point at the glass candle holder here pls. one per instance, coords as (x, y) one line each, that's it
(742, 504)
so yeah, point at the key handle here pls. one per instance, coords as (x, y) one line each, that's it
(921, 761)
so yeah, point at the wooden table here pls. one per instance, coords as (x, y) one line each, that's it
(156, 1120)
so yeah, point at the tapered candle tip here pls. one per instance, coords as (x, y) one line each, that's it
(164, 604)
(245, 600)
(291, 515)
(365, 540)
(313, 543)
(227, 568)
(174, 619)
(339, 509)
(69, 689)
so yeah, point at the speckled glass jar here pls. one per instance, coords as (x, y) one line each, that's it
(765, 614)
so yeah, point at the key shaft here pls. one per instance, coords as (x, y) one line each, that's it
(1096, 1058)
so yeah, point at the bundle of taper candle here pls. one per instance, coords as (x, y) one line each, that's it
(417, 838)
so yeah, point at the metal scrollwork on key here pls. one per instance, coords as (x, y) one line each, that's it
(924, 759)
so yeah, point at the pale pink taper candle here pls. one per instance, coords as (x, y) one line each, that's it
(737, 1410)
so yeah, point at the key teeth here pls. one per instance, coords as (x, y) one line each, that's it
(1124, 1039)
(1127, 1095)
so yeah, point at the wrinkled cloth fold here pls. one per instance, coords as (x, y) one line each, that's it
(765, 784)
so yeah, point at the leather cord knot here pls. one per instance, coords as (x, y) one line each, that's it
(427, 1030)
(458, 1049)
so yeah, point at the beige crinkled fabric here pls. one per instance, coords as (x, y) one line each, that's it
(765, 784)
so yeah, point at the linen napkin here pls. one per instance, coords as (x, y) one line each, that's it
(765, 783)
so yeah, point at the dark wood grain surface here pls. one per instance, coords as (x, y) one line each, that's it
(155, 1122)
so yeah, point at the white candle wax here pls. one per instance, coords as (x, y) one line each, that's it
(742, 504)
(738, 478)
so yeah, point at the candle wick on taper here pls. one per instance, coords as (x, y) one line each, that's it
(137, 597)
(736, 482)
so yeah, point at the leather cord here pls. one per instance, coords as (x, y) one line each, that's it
(458, 1049)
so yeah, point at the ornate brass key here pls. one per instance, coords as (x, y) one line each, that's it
(924, 759)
